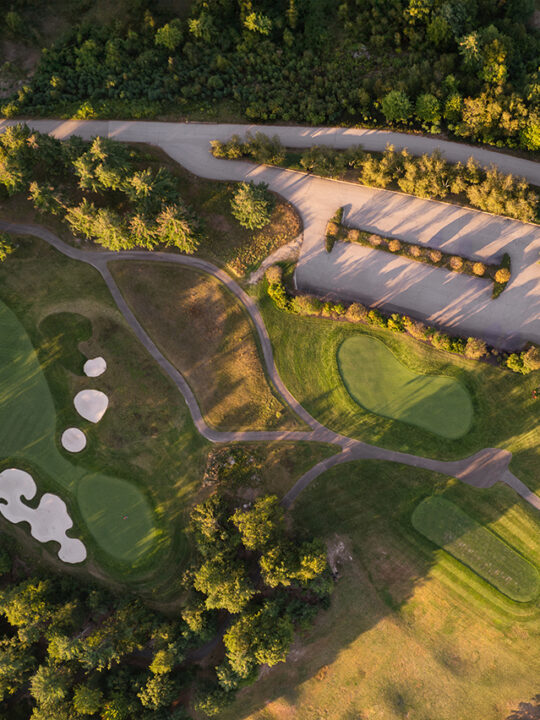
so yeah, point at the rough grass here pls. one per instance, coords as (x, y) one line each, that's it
(383, 385)
(205, 333)
(446, 525)
(505, 414)
(411, 632)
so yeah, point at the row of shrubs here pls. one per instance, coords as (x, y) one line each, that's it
(500, 274)
(472, 347)
(427, 176)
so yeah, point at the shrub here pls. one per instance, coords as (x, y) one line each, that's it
(274, 275)
(428, 109)
(475, 348)
(441, 341)
(375, 317)
(306, 305)
(456, 263)
(356, 312)
(353, 235)
(502, 275)
(332, 229)
(531, 359)
(415, 328)
(252, 205)
(435, 256)
(6, 246)
(479, 269)
(394, 245)
(415, 251)
(395, 323)
(515, 363)
(375, 240)
(279, 295)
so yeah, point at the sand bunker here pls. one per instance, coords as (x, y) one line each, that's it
(49, 521)
(91, 404)
(73, 440)
(95, 367)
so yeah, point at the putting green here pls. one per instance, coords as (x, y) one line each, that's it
(379, 382)
(123, 524)
(28, 431)
(446, 525)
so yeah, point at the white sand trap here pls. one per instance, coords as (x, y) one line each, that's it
(91, 404)
(49, 521)
(95, 367)
(73, 440)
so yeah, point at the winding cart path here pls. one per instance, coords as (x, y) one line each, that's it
(482, 469)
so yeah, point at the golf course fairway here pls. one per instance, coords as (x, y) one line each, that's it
(28, 433)
(379, 382)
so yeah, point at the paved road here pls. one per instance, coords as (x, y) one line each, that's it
(483, 469)
(461, 303)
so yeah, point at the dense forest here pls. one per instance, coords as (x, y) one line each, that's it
(469, 67)
(71, 649)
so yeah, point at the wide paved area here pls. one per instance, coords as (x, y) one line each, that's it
(353, 272)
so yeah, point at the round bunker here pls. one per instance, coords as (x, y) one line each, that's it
(91, 404)
(379, 382)
(94, 367)
(73, 440)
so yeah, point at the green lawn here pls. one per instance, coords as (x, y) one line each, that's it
(378, 381)
(504, 413)
(411, 631)
(446, 525)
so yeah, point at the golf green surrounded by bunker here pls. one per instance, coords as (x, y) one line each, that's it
(379, 382)
(28, 431)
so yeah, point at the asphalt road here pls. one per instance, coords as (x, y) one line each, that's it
(457, 302)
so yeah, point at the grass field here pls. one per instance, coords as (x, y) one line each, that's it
(505, 414)
(446, 525)
(411, 631)
(146, 438)
(380, 383)
(205, 332)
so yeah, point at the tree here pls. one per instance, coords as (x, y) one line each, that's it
(396, 106)
(157, 692)
(163, 662)
(260, 524)
(87, 700)
(175, 228)
(257, 22)
(225, 583)
(531, 359)
(428, 109)
(49, 685)
(252, 205)
(170, 35)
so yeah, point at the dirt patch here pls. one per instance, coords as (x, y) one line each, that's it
(338, 552)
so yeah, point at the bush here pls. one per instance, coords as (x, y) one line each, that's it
(279, 295)
(531, 359)
(435, 256)
(375, 317)
(332, 229)
(375, 240)
(428, 109)
(475, 348)
(356, 312)
(456, 263)
(353, 235)
(306, 305)
(479, 269)
(274, 275)
(502, 275)
(394, 245)
(6, 246)
(415, 251)
(415, 328)
(252, 205)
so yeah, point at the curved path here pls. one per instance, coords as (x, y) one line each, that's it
(483, 469)
(440, 297)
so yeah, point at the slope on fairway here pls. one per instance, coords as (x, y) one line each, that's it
(379, 382)
(28, 429)
(446, 525)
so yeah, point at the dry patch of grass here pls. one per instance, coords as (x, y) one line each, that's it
(206, 334)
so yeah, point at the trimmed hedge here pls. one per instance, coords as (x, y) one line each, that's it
(473, 348)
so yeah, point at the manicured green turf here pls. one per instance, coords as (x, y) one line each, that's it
(382, 384)
(446, 525)
(122, 525)
(27, 431)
